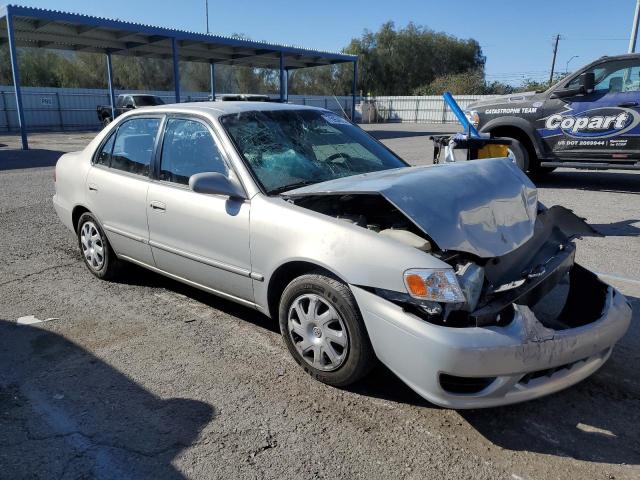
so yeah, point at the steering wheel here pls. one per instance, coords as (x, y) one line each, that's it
(337, 155)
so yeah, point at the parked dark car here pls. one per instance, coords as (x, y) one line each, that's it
(127, 102)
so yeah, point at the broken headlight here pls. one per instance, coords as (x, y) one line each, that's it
(434, 284)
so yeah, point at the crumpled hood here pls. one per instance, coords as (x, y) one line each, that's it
(484, 207)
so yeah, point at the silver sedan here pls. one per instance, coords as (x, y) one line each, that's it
(453, 276)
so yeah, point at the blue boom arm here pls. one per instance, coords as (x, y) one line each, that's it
(455, 108)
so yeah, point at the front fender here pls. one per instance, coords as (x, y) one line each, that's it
(282, 232)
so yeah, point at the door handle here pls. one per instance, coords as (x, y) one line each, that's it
(93, 187)
(158, 205)
(628, 104)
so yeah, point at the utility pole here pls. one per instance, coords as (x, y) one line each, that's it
(634, 29)
(553, 62)
(206, 6)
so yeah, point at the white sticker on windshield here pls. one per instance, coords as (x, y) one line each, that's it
(334, 119)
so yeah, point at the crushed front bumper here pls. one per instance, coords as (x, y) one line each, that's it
(522, 361)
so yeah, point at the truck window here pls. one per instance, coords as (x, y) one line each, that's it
(614, 77)
(147, 100)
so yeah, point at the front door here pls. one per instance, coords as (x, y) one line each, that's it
(602, 124)
(117, 186)
(200, 238)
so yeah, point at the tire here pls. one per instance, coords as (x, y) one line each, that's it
(518, 153)
(106, 121)
(95, 248)
(335, 351)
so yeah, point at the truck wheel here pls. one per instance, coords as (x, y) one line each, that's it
(518, 154)
(106, 121)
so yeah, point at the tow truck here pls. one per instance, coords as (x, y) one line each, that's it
(590, 119)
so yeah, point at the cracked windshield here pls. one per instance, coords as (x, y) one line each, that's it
(289, 149)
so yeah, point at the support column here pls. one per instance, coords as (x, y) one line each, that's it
(212, 79)
(112, 93)
(282, 78)
(286, 86)
(15, 71)
(353, 91)
(176, 69)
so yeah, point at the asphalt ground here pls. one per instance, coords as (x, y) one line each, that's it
(148, 378)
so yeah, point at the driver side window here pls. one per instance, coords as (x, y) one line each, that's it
(188, 148)
(614, 77)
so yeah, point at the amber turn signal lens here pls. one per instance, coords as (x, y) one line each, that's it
(416, 285)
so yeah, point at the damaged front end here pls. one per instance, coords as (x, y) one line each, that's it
(521, 319)
(504, 247)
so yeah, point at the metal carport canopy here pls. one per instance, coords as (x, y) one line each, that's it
(41, 28)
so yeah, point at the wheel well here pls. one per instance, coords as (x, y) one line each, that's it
(76, 214)
(520, 135)
(283, 275)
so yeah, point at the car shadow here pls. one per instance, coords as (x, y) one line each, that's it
(140, 276)
(595, 420)
(65, 413)
(600, 181)
(623, 228)
(35, 158)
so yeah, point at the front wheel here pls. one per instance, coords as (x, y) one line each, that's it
(324, 331)
(517, 154)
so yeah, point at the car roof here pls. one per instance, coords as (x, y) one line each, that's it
(218, 109)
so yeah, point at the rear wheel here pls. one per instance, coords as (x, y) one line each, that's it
(106, 121)
(324, 331)
(96, 251)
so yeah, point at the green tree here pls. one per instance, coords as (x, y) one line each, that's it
(397, 61)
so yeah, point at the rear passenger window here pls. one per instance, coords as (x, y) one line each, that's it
(188, 148)
(104, 157)
(133, 146)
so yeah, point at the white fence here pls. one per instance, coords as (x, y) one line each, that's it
(76, 108)
(424, 109)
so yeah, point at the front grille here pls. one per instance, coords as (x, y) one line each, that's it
(461, 385)
(548, 372)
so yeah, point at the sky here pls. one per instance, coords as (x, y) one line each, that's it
(516, 36)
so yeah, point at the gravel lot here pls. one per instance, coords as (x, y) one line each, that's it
(147, 378)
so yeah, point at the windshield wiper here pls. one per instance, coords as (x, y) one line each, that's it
(292, 186)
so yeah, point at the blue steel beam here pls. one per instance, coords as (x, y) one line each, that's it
(176, 69)
(15, 71)
(212, 80)
(112, 94)
(282, 78)
(354, 91)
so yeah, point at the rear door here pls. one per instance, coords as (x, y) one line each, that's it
(198, 237)
(117, 186)
(603, 124)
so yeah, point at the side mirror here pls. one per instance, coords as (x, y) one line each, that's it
(214, 183)
(588, 81)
